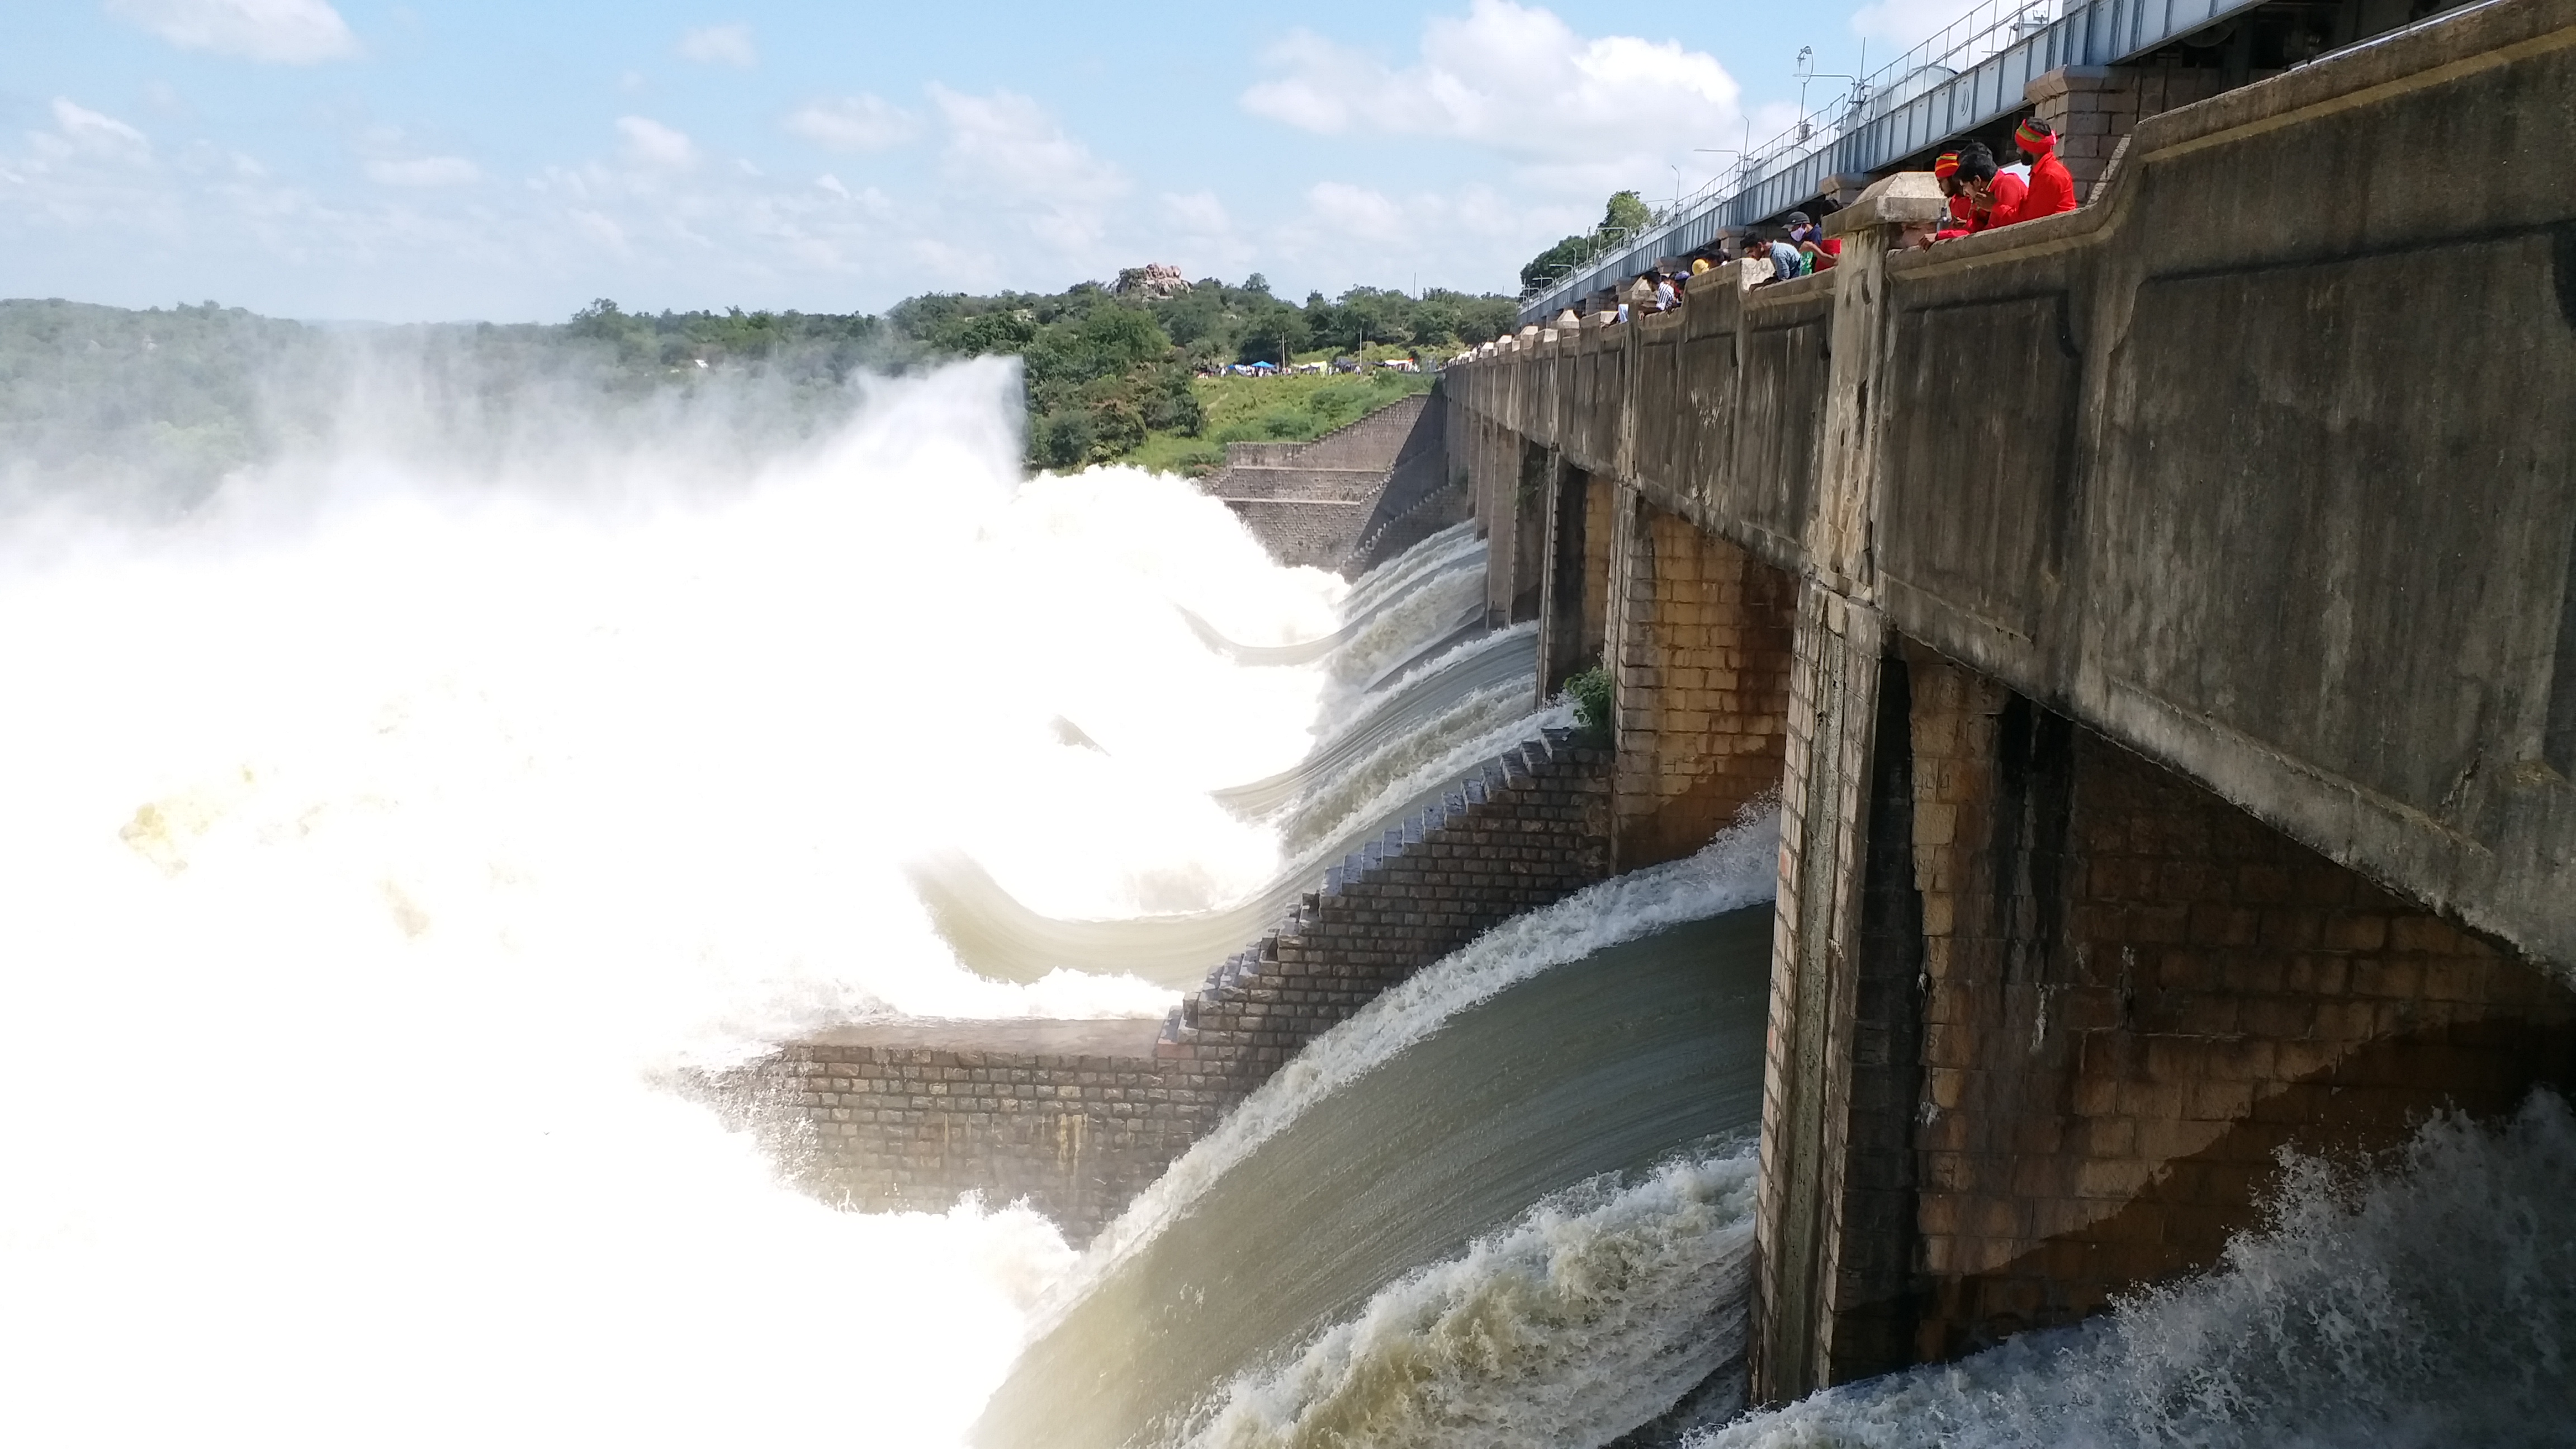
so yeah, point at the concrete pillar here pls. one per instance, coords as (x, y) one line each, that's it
(1701, 683)
(1515, 549)
(1833, 717)
(2136, 995)
(1809, 1090)
(1577, 584)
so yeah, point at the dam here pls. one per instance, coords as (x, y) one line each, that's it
(2159, 652)
(1969, 851)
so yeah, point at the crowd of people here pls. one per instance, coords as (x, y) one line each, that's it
(1982, 196)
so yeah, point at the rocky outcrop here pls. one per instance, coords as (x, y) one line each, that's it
(1152, 282)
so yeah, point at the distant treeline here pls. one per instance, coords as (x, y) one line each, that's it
(158, 405)
(1103, 369)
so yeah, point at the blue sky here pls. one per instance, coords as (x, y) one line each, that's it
(425, 161)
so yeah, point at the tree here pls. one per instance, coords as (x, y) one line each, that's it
(1626, 212)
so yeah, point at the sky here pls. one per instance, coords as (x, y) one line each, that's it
(346, 159)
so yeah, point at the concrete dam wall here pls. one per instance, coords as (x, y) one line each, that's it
(2175, 758)
(2154, 623)
(1353, 498)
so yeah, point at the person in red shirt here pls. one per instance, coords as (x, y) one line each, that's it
(1961, 215)
(1995, 196)
(2052, 189)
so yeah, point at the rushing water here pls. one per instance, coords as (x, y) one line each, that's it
(1595, 1037)
(378, 832)
(1398, 757)
(376, 835)
(2429, 1303)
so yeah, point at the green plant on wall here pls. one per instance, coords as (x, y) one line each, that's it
(1590, 692)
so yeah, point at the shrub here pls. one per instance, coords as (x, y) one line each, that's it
(1590, 692)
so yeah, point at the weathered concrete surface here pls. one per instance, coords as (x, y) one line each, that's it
(2183, 707)
(2261, 467)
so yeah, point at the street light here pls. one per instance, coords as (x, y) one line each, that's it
(1806, 71)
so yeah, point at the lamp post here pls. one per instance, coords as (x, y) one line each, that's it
(1806, 71)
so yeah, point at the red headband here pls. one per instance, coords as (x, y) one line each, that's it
(2032, 140)
(1946, 165)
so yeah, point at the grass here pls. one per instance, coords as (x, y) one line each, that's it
(1271, 409)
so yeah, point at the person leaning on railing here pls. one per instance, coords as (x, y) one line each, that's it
(1816, 251)
(1994, 195)
(1960, 215)
(2052, 187)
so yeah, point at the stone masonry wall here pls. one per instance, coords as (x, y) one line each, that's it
(1311, 503)
(877, 1125)
(1704, 653)
(1531, 829)
(1442, 507)
(877, 1122)
(2094, 108)
(2137, 994)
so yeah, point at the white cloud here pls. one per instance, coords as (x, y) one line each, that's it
(655, 144)
(598, 228)
(90, 130)
(1199, 211)
(289, 32)
(720, 45)
(1006, 153)
(1357, 212)
(854, 123)
(1515, 79)
(424, 171)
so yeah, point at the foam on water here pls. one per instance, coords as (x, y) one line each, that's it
(2431, 1303)
(1603, 1305)
(1445, 723)
(376, 834)
(1737, 869)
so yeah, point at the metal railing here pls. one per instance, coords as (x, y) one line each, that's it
(1971, 72)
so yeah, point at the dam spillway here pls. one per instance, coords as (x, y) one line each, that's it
(2164, 1004)
(1606, 1064)
(2099, 898)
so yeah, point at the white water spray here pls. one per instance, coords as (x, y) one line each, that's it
(372, 838)
(2431, 1303)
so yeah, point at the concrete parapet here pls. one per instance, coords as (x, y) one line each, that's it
(2172, 462)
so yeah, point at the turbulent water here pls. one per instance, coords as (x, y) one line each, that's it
(2430, 1303)
(378, 832)
(1595, 1037)
(1441, 722)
